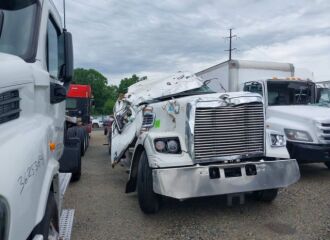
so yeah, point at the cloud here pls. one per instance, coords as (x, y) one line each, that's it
(157, 38)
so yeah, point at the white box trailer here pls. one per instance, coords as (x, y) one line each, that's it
(231, 75)
(293, 118)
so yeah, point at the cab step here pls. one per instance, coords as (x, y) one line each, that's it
(66, 223)
(64, 179)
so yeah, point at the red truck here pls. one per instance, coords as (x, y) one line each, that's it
(79, 103)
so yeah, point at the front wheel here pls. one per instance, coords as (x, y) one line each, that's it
(268, 195)
(148, 200)
(49, 226)
(327, 164)
(95, 125)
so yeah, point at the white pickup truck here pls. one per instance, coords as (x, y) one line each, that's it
(290, 104)
(36, 66)
(181, 140)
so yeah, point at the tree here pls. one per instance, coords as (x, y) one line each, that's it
(112, 95)
(105, 96)
(126, 82)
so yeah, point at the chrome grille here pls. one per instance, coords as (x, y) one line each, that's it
(223, 133)
(9, 106)
(325, 132)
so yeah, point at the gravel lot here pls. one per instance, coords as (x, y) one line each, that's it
(104, 211)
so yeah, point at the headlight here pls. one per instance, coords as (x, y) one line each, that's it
(168, 145)
(277, 140)
(3, 219)
(298, 135)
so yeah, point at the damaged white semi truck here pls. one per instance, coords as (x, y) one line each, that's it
(181, 140)
(36, 66)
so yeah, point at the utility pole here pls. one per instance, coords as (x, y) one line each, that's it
(231, 36)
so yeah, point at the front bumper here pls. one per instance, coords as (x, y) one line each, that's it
(195, 181)
(309, 153)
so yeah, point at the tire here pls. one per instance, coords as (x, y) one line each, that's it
(327, 164)
(79, 133)
(266, 195)
(95, 125)
(148, 200)
(87, 139)
(105, 131)
(72, 132)
(49, 226)
(76, 174)
(109, 144)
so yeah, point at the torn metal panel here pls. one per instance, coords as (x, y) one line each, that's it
(150, 89)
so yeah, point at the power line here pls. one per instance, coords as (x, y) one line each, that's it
(231, 36)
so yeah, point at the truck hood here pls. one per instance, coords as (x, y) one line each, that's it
(14, 71)
(309, 112)
(147, 90)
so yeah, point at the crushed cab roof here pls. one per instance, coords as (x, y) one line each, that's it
(150, 89)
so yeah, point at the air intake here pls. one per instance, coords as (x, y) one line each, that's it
(148, 119)
(9, 106)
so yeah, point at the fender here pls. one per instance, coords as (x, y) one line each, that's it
(51, 182)
(138, 149)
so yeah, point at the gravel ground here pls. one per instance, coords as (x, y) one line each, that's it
(104, 211)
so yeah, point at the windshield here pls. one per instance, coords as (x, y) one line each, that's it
(290, 93)
(323, 97)
(71, 103)
(17, 30)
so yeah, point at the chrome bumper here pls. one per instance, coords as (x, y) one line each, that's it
(195, 181)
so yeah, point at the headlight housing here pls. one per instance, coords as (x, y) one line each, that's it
(3, 219)
(277, 140)
(168, 145)
(298, 135)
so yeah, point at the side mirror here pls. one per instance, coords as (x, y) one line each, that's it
(57, 93)
(66, 57)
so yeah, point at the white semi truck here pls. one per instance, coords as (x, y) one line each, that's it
(323, 93)
(290, 103)
(36, 66)
(179, 139)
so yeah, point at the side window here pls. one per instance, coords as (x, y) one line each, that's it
(254, 87)
(53, 40)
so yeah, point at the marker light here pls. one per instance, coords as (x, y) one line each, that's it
(52, 146)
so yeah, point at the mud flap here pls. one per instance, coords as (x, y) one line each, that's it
(69, 162)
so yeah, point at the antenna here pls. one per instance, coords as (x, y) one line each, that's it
(230, 43)
(64, 15)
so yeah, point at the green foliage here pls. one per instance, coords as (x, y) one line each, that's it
(105, 96)
(126, 82)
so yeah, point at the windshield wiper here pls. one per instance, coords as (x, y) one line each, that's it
(2, 17)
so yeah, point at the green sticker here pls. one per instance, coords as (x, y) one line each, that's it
(157, 123)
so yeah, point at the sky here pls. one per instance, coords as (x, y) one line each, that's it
(157, 38)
